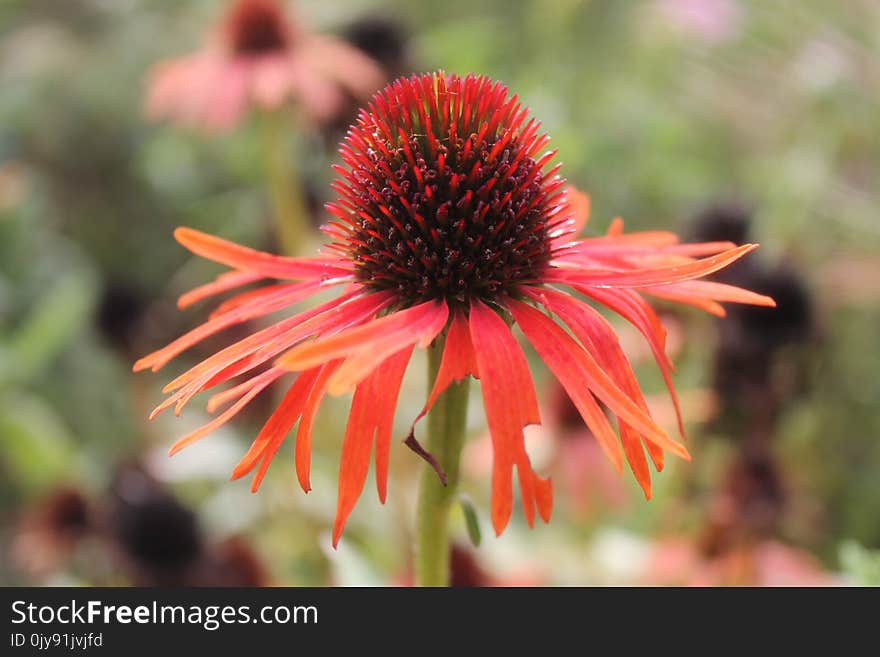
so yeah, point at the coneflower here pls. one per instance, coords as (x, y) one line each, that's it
(258, 57)
(450, 226)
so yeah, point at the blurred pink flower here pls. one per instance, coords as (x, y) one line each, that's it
(587, 477)
(713, 21)
(683, 562)
(258, 57)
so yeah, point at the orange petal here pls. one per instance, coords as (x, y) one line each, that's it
(372, 415)
(279, 423)
(244, 298)
(259, 262)
(223, 418)
(458, 361)
(267, 343)
(551, 341)
(598, 336)
(649, 276)
(510, 403)
(224, 282)
(390, 377)
(391, 328)
(307, 423)
(255, 308)
(632, 307)
(363, 361)
(714, 291)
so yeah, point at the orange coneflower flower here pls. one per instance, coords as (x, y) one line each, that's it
(448, 220)
(258, 57)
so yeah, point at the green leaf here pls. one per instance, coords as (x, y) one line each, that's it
(471, 521)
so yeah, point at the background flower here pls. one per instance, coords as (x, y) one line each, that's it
(259, 57)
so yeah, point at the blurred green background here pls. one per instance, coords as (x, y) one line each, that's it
(691, 115)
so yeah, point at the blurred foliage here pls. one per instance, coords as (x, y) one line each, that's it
(860, 564)
(654, 113)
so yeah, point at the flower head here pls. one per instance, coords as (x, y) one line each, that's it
(258, 57)
(450, 220)
(257, 27)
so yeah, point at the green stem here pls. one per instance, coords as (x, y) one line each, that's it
(446, 430)
(288, 203)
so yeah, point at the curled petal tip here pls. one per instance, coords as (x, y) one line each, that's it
(183, 233)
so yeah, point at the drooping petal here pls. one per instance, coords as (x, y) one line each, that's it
(279, 423)
(265, 264)
(355, 459)
(228, 414)
(371, 416)
(635, 456)
(562, 353)
(242, 356)
(391, 376)
(223, 283)
(598, 336)
(255, 307)
(265, 292)
(235, 392)
(570, 376)
(258, 348)
(307, 423)
(510, 403)
(632, 307)
(365, 346)
(458, 361)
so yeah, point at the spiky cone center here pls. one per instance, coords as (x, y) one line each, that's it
(257, 27)
(444, 194)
